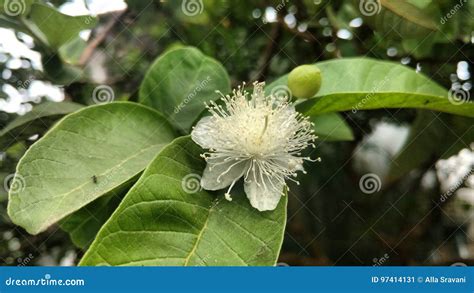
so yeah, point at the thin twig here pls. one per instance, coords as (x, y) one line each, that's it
(264, 61)
(89, 50)
(307, 36)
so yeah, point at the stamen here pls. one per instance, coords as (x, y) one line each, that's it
(227, 194)
(264, 127)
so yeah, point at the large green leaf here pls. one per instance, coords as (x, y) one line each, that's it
(180, 81)
(362, 84)
(86, 155)
(36, 121)
(331, 127)
(84, 224)
(57, 28)
(380, 100)
(159, 223)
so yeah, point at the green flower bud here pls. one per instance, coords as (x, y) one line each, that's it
(304, 81)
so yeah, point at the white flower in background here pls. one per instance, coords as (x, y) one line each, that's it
(259, 138)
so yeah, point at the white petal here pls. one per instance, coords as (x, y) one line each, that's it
(202, 133)
(290, 162)
(264, 197)
(214, 178)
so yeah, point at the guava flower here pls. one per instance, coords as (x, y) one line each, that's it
(259, 138)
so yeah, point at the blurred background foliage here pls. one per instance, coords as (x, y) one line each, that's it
(47, 54)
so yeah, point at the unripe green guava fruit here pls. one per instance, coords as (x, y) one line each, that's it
(304, 81)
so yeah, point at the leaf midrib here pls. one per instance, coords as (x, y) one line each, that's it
(199, 236)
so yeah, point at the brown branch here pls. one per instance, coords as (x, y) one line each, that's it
(100, 37)
(307, 36)
(264, 61)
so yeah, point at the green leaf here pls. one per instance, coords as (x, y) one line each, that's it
(72, 51)
(57, 28)
(36, 121)
(111, 142)
(400, 19)
(6, 22)
(84, 224)
(363, 84)
(59, 71)
(180, 81)
(159, 223)
(332, 127)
